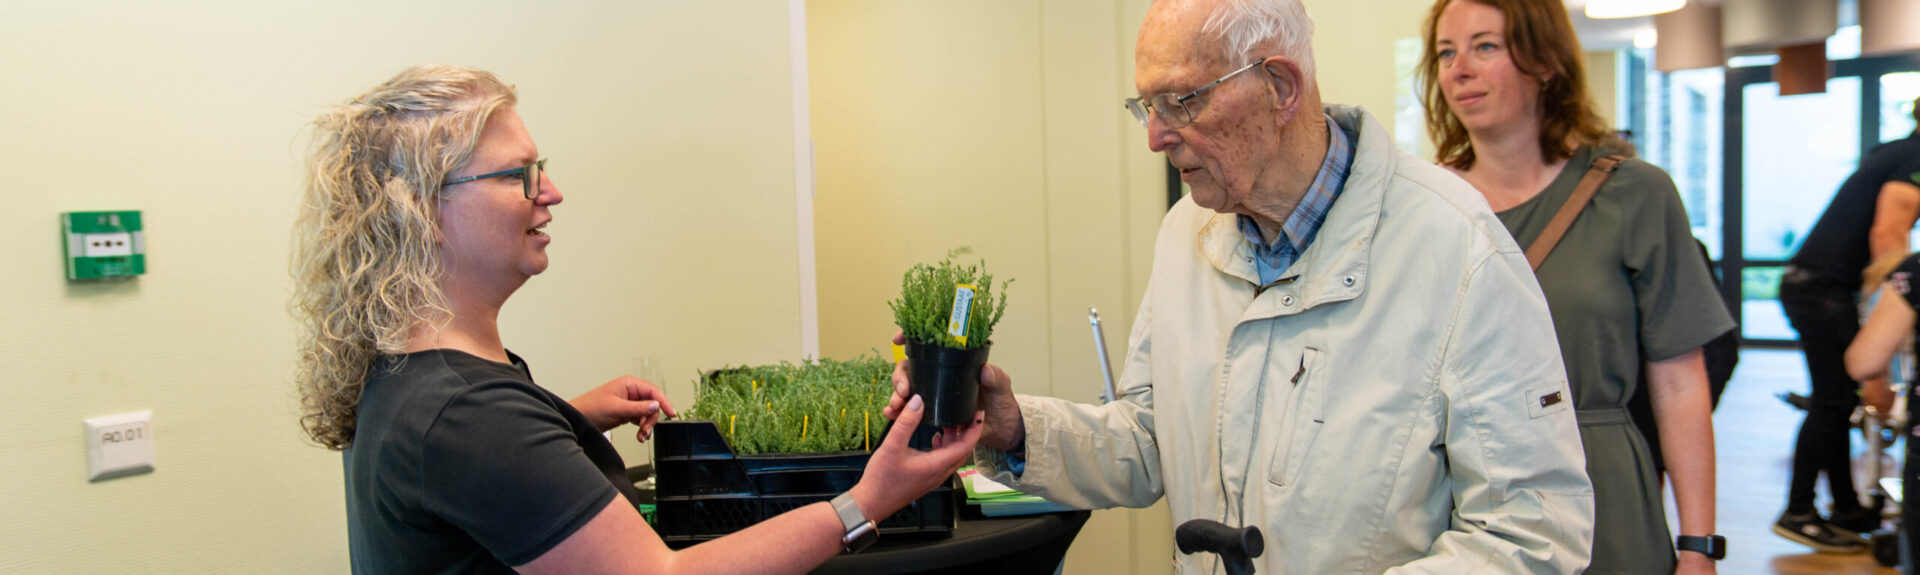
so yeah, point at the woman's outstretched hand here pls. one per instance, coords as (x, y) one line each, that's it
(896, 474)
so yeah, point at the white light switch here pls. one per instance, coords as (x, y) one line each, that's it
(119, 445)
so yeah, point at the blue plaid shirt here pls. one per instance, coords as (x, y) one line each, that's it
(1300, 228)
(1272, 258)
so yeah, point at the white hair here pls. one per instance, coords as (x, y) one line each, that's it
(1250, 29)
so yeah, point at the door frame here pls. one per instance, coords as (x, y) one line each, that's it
(1733, 261)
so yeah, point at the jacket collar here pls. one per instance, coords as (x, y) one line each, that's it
(1342, 248)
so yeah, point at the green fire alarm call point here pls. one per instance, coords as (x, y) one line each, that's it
(104, 245)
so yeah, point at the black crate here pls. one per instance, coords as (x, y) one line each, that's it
(704, 491)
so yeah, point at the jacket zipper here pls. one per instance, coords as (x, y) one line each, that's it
(1260, 289)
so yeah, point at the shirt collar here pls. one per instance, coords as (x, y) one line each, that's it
(1304, 223)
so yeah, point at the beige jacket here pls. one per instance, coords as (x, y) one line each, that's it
(1396, 403)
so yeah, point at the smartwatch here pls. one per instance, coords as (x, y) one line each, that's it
(861, 531)
(1713, 546)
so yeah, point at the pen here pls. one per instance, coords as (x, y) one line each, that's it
(1100, 349)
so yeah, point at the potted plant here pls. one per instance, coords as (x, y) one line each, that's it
(947, 312)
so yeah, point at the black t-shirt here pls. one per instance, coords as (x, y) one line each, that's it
(1902, 281)
(1836, 248)
(463, 465)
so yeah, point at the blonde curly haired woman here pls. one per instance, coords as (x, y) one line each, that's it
(423, 213)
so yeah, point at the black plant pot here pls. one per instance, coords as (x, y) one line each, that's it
(948, 380)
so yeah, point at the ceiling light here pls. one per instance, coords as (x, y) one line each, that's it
(1603, 9)
(1645, 39)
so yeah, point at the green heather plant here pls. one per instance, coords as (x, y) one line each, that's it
(817, 406)
(926, 302)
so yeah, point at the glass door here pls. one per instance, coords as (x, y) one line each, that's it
(1785, 158)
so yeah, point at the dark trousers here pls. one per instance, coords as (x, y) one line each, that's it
(1827, 317)
(1910, 484)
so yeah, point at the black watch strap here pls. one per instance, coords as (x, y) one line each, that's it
(1713, 546)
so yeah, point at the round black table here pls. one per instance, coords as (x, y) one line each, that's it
(979, 545)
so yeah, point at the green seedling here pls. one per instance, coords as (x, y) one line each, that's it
(925, 308)
(816, 406)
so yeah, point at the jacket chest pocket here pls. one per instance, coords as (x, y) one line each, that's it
(1303, 415)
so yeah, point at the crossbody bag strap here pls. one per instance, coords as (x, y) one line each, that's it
(1582, 195)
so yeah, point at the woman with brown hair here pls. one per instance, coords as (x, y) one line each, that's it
(1507, 107)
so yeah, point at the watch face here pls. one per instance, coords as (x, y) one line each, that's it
(860, 537)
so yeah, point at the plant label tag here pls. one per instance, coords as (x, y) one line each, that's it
(962, 309)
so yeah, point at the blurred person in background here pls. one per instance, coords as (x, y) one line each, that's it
(1870, 218)
(1889, 331)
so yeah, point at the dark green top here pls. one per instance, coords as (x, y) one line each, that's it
(1626, 284)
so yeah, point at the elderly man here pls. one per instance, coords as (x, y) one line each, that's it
(1339, 343)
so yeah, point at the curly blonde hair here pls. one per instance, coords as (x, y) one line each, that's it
(365, 253)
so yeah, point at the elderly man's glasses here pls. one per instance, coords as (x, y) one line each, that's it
(529, 177)
(1172, 108)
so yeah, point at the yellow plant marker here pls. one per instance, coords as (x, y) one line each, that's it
(756, 386)
(962, 310)
(730, 419)
(769, 408)
(899, 352)
(866, 420)
(803, 426)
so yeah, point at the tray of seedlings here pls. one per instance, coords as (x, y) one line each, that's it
(760, 441)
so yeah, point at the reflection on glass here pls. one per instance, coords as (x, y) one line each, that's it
(1760, 314)
(1678, 127)
(1897, 92)
(1753, 60)
(1796, 151)
(1844, 44)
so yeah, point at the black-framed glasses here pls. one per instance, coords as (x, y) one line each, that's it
(529, 177)
(1172, 108)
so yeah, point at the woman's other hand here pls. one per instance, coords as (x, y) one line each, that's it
(626, 399)
(896, 474)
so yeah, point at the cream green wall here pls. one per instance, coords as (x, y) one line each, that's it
(1603, 81)
(1353, 50)
(670, 126)
(995, 125)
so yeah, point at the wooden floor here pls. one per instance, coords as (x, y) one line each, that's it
(1755, 432)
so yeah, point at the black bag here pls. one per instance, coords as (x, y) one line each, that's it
(1721, 355)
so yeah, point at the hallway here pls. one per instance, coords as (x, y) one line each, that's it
(1755, 432)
